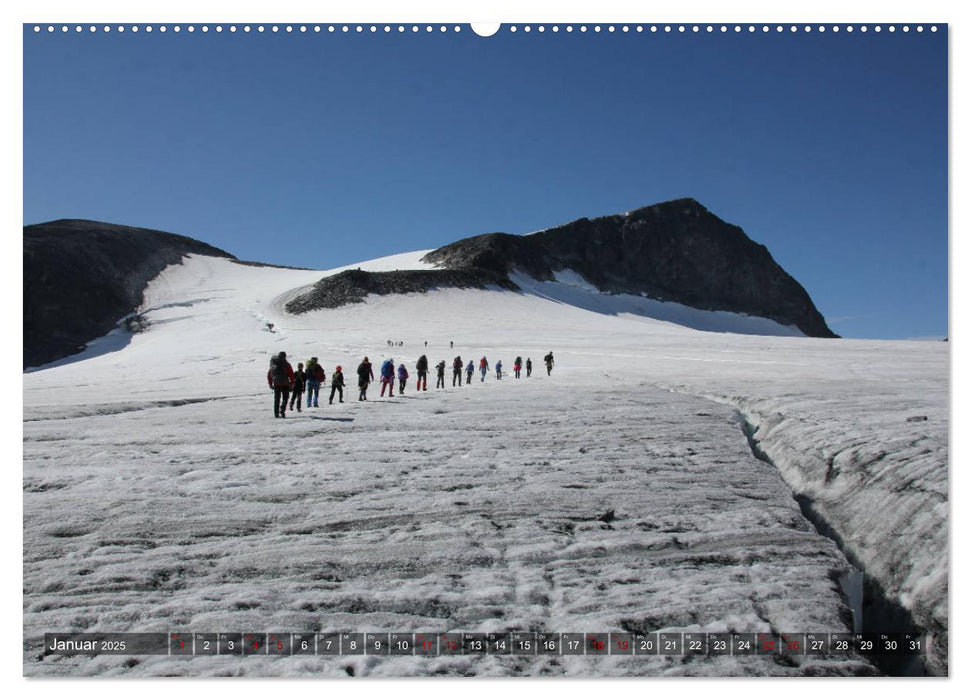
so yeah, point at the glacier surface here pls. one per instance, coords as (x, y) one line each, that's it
(161, 495)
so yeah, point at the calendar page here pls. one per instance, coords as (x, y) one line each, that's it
(438, 348)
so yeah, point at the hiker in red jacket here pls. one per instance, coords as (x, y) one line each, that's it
(280, 379)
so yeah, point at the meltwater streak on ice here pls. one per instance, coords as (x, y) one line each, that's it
(876, 615)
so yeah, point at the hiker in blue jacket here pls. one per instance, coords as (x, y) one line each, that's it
(499, 369)
(469, 370)
(402, 378)
(387, 377)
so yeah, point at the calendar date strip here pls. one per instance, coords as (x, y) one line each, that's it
(471, 643)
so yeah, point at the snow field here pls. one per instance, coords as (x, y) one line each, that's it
(473, 510)
(159, 492)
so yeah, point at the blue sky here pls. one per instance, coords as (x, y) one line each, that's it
(319, 150)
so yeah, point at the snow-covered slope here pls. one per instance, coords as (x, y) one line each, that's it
(570, 288)
(160, 494)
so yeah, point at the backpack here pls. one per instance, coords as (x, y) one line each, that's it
(278, 370)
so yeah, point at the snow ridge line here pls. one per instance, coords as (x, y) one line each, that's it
(874, 610)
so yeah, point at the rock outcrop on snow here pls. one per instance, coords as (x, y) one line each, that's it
(352, 286)
(82, 277)
(672, 251)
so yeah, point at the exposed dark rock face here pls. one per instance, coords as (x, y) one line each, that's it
(672, 251)
(352, 286)
(82, 277)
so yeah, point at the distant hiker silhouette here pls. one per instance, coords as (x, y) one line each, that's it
(457, 366)
(298, 384)
(549, 362)
(422, 368)
(365, 375)
(529, 367)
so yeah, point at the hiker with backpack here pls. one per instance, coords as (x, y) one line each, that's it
(387, 377)
(280, 379)
(337, 384)
(314, 376)
(529, 367)
(457, 366)
(402, 378)
(422, 368)
(499, 369)
(549, 362)
(517, 366)
(440, 367)
(365, 375)
(296, 394)
(469, 371)
(483, 368)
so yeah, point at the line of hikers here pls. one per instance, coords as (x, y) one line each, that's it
(289, 385)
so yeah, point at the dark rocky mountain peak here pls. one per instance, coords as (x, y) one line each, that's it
(672, 251)
(81, 277)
